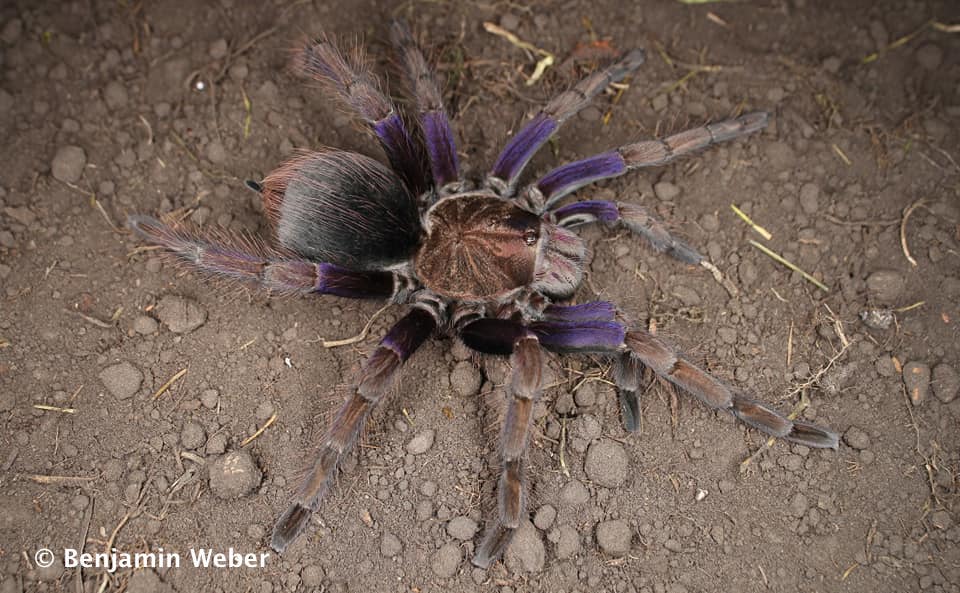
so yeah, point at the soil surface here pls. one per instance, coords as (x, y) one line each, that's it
(132, 392)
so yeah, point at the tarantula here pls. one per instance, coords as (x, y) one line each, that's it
(488, 263)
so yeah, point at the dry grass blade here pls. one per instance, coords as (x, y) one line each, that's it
(762, 231)
(167, 385)
(260, 430)
(791, 265)
(359, 337)
(55, 409)
(903, 231)
(66, 480)
(546, 60)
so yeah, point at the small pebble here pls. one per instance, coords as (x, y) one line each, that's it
(687, 296)
(567, 541)
(666, 191)
(218, 49)
(574, 493)
(179, 314)
(115, 95)
(856, 438)
(80, 502)
(526, 552)
(145, 325)
(446, 560)
(916, 377)
(122, 380)
(832, 64)
(586, 396)
(209, 398)
(790, 462)
(941, 519)
(613, 537)
(462, 528)
(876, 318)
(428, 488)
(421, 443)
(544, 517)
(312, 577)
(673, 545)
(945, 382)
(11, 31)
(798, 505)
(192, 436)
(465, 379)
(509, 22)
(885, 286)
(879, 34)
(390, 545)
(216, 152)
(216, 444)
(264, 411)
(68, 164)
(606, 463)
(929, 56)
(809, 198)
(234, 475)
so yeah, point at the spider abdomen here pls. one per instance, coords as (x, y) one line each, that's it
(342, 208)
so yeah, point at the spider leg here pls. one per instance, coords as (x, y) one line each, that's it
(650, 153)
(636, 349)
(592, 311)
(348, 77)
(251, 261)
(438, 137)
(379, 374)
(501, 336)
(632, 217)
(521, 148)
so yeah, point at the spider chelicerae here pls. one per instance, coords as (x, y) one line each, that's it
(490, 263)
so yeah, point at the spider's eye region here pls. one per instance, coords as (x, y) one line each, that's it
(530, 236)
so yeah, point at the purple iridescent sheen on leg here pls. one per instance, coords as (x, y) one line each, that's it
(411, 331)
(583, 336)
(440, 147)
(522, 147)
(572, 176)
(593, 311)
(338, 281)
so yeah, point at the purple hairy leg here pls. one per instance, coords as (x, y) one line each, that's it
(528, 140)
(633, 218)
(437, 135)
(592, 311)
(579, 336)
(651, 153)
(348, 77)
(638, 350)
(248, 260)
(379, 374)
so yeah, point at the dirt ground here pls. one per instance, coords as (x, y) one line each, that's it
(124, 380)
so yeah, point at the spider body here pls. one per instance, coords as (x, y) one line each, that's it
(480, 247)
(487, 263)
